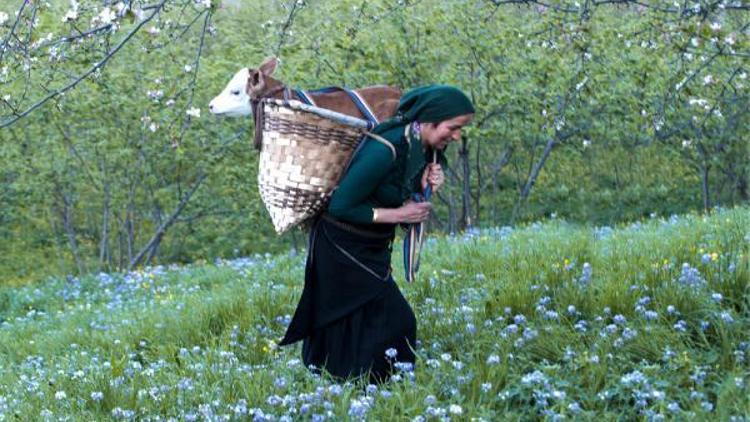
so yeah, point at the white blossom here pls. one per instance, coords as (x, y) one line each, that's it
(70, 15)
(700, 102)
(155, 94)
(193, 112)
(582, 83)
(121, 8)
(3, 17)
(105, 17)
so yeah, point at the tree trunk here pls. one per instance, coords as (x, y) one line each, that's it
(448, 201)
(478, 196)
(495, 171)
(129, 222)
(742, 187)
(162, 229)
(104, 254)
(532, 179)
(452, 215)
(705, 188)
(157, 216)
(121, 247)
(466, 188)
(494, 197)
(295, 243)
(65, 212)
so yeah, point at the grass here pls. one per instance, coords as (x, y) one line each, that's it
(551, 320)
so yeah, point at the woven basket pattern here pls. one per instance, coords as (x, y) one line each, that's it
(302, 159)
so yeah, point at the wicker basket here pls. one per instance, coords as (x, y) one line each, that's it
(302, 158)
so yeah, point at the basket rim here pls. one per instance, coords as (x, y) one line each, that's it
(325, 113)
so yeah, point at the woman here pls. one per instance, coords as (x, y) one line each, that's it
(352, 316)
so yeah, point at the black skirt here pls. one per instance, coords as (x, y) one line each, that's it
(351, 310)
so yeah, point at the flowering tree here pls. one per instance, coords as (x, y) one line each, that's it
(79, 49)
(595, 109)
(50, 54)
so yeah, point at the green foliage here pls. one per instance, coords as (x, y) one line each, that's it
(647, 110)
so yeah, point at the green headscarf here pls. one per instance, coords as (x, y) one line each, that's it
(428, 104)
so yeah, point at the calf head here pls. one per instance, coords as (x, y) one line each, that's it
(246, 85)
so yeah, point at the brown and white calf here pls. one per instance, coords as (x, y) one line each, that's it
(252, 84)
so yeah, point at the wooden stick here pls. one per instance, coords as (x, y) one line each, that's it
(323, 112)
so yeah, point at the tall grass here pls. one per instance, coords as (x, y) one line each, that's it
(544, 321)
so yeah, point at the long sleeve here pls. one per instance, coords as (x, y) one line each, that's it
(369, 168)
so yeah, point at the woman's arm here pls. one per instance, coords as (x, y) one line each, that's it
(368, 169)
(410, 212)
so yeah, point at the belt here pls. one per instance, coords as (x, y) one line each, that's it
(356, 230)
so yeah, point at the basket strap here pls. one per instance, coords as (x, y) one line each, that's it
(304, 97)
(362, 105)
(383, 141)
(257, 108)
(356, 98)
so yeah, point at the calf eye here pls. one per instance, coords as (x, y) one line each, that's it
(236, 92)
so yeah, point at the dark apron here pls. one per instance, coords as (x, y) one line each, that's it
(351, 310)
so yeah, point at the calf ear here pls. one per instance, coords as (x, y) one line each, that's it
(255, 83)
(268, 66)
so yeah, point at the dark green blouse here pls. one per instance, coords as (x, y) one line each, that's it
(375, 180)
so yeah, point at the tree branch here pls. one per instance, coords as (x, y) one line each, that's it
(93, 69)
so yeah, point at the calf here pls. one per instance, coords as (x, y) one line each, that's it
(249, 85)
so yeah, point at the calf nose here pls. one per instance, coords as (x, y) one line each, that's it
(211, 106)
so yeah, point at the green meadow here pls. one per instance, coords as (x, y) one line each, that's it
(548, 320)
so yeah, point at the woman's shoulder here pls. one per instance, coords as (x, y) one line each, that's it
(392, 140)
(395, 135)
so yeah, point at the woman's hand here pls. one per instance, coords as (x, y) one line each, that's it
(409, 212)
(415, 212)
(434, 176)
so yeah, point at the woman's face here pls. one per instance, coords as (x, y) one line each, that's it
(439, 135)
